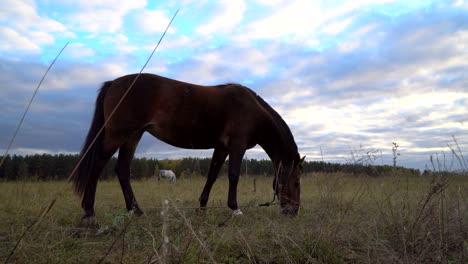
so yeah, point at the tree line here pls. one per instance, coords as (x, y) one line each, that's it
(59, 167)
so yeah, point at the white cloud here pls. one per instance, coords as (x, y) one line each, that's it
(226, 16)
(460, 3)
(29, 151)
(41, 37)
(373, 81)
(256, 61)
(377, 125)
(12, 40)
(82, 75)
(410, 90)
(197, 72)
(120, 42)
(97, 17)
(337, 27)
(177, 43)
(22, 28)
(271, 2)
(152, 21)
(96, 21)
(110, 4)
(364, 29)
(300, 21)
(294, 18)
(80, 50)
(349, 46)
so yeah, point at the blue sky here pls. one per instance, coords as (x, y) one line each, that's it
(349, 77)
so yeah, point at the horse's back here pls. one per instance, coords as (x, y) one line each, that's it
(182, 114)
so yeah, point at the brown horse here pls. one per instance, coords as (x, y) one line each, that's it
(229, 118)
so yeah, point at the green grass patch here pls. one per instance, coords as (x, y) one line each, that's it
(343, 219)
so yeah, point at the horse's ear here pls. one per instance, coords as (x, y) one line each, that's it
(302, 160)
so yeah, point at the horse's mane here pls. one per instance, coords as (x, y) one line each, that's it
(284, 128)
(229, 84)
(281, 124)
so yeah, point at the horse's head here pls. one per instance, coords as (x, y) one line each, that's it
(287, 186)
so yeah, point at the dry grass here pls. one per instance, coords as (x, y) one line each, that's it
(344, 219)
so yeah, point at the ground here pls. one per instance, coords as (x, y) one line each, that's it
(343, 219)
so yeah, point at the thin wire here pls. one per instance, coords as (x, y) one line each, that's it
(217, 207)
(48, 208)
(29, 105)
(11, 142)
(120, 102)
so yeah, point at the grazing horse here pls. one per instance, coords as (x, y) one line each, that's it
(167, 174)
(229, 118)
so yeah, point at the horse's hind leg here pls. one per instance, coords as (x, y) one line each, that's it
(87, 203)
(219, 156)
(126, 152)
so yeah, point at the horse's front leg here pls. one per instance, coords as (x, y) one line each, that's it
(219, 156)
(235, 161)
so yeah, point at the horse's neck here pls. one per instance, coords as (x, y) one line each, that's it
(277, 143)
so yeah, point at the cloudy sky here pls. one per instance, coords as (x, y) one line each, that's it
(349, 77)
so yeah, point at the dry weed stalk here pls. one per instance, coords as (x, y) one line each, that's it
(153, 242)
(165, 222)
(245, 245)
(128, 222)
(284, 249)
(461, 159)
(309, 257)
(435, 189)
(189, 226)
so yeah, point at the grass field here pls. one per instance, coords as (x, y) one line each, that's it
(343, 219)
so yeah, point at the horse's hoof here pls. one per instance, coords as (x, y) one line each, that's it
(237, 212)
(201, 210)
(89, 221)
(138, 212)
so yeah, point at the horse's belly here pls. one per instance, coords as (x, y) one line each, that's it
(184, 138)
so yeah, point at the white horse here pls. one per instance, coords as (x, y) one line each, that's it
(167, 174)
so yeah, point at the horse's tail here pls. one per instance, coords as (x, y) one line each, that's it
(86, 170)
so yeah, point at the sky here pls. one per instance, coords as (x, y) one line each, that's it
(348, 77)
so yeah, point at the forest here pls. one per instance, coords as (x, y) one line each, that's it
(59, 167)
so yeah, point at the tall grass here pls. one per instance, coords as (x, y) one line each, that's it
(343, 219)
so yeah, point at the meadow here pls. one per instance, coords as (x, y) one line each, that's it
(343, 219)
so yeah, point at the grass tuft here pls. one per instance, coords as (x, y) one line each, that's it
(343, 219)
